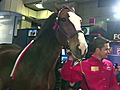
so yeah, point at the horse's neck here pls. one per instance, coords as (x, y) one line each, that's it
(48, 49)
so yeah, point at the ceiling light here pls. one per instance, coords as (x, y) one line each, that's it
(39, 5)
(23, 17)
(1, 16)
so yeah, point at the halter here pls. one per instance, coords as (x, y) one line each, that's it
(57, 27)
(67, 36)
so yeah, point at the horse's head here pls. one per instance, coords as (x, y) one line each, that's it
(69, 32)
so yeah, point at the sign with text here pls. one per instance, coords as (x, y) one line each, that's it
(116, 36)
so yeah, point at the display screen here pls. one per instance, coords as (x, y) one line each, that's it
(32, 32)
(64, 57)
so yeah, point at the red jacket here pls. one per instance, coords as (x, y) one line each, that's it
(100, 75)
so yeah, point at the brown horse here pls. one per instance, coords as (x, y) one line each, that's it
(33, 73)
(8, 55)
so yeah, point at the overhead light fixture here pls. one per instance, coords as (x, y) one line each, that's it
(23, 17)
(1, 16)
(39, 5)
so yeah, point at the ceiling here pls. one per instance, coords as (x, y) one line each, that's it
(47, 3)
(32, 5)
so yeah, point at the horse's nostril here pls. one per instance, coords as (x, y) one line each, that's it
(77, 46)
(78, 49)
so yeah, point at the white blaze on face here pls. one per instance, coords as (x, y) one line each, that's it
(83, 44)
(76, 20)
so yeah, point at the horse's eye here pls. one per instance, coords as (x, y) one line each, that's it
(63, 19)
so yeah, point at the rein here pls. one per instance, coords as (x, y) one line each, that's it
(84, 76)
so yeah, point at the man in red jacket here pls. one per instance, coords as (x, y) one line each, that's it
(99, 72)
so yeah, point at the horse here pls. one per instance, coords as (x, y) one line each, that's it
(62, 28)
(8, 55)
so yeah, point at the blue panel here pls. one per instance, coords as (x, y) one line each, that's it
(115, 49)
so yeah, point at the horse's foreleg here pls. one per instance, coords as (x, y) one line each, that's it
(51, 79)
(1, 85)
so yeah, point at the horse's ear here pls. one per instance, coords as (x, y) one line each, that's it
(73, 9)
(57, 7)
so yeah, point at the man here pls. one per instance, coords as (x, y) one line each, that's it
(98, 72)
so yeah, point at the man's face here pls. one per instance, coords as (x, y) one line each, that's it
(104, 51)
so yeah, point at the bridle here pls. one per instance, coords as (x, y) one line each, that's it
(69, 36)
(57, 27)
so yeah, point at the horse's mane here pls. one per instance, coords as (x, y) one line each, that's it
(48, 25)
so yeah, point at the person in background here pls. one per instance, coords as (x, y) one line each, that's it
(96, 73)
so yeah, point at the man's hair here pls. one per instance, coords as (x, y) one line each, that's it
(99, 42)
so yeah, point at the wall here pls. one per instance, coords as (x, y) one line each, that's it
(7, 29)
(8, 7)
(90, 9)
